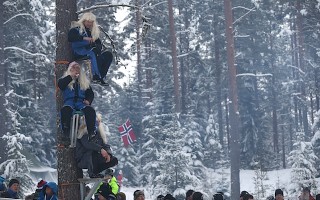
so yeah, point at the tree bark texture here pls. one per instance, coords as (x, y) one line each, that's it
(174, 59)
(302, 68)
(68, 173)
(138, 45)
(233, 108)
(3, 112)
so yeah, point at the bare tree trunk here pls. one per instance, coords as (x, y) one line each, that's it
(68, 173)
(184, 60)
(294, 74)
(3, 74)
(274, 100)
(148, 70)
(218, 73)
(302, 67)
(138, 42)
(234, 113)
(174, 59)
(283, 148)
(227, 120)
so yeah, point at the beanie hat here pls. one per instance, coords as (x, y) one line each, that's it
(137, 193)
(189, 193)
(160, 197)
(243, 193)
(218, 196)
(108, 172)
(41, 184)
(169, 197)
(121, 196)
(278, 191)
(197, 196)
(13, 181)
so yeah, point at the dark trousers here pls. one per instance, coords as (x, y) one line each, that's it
(99, 163)
(89, 114)
(104, 61)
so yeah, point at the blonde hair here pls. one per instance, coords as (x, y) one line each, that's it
(83, 80)
(83, 129)
(88, 16)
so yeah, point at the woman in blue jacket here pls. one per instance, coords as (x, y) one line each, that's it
(77, 95)
(84, 38)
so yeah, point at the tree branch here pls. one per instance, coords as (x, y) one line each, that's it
(105, 6)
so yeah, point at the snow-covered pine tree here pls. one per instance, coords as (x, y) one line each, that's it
(212, 146)
(302, 161)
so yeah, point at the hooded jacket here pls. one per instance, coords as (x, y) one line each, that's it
(53, 187)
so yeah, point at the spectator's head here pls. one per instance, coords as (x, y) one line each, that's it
(14, 185)
(242, 194)
(218, 196)
(278, 194)
(41, 183)
(121, 196)
(50, 188)
(248, 197)
(108, 174)
(189, 194)
(197, 196)
(138, 195)
(160, 197)
(169, 197)
(89, 21)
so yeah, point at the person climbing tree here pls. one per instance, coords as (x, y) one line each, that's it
(77, 95)
(84, 38)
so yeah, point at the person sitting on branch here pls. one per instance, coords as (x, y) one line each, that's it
(94, 155)
(84, 38)
(77, 95)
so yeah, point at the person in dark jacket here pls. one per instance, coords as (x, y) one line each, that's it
(13, 190)
(94, 155)
(77, 95)
(49, 191)
(84, 38)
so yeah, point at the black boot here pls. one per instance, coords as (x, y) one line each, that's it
(95, 79)
(103, 83)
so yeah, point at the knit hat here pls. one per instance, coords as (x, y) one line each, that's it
(73, 63)
(278, 191)
(41, 184)
(137, 193)
(121, 196)
(243, 193)
(108, 172)
(218, 196)
(160, 197)
(189, 193)
(169, 197)
(13, 181)
(197, 196)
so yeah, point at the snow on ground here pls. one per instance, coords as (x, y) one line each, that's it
(274, 179)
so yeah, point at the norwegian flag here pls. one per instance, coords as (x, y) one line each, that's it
(127, 134)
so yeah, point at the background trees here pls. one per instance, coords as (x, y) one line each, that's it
(276, 56)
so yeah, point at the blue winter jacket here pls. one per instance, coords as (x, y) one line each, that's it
(74, 97)
(82, 47)
(53, 187)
